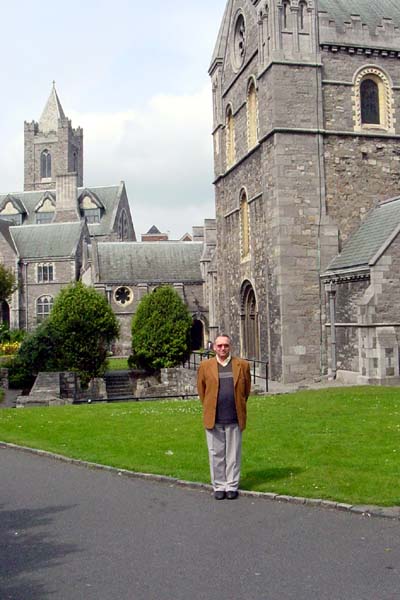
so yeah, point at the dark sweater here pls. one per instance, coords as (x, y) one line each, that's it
(226, 409)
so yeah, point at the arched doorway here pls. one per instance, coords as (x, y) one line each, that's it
(197, 337)
(5, 313)
(249, 316)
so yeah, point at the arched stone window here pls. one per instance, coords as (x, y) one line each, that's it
(45, 164)
(249, 320)
(230, 138)
(252, 117)
(244, 226)
(44, 304)
(373, 100)
(369, 96)
(286, 14)
(303, 16)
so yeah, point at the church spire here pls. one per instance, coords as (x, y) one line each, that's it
(51, 113)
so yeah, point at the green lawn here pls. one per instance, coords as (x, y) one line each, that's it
(339, 444)
(117, 364)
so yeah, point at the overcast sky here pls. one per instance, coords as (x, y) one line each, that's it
(134, 76)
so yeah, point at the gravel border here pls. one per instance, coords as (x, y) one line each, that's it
(392, 512)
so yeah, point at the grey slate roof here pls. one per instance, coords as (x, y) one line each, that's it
(108, 195)
(152, 262)
(376, 230)
(53, 240)
(153, 229)
(371, 12)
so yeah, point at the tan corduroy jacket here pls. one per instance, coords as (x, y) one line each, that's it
(208, 384)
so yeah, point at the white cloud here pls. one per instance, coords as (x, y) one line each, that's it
(163, 152)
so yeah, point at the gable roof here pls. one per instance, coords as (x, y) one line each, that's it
(151, 262)
(53, 240)
(109, 197)
(364, 247)
(220, 45)
(153, 230)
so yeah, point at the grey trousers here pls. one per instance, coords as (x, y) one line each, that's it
(224, 450)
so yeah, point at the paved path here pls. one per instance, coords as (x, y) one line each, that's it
(70, 533)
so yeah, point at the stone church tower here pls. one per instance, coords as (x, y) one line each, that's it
(306, 141)
(52, 147)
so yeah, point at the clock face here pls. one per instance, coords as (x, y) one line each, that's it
(239, 42)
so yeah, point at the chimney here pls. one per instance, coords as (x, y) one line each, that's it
(67, 209)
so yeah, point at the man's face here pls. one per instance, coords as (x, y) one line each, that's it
(222, 347)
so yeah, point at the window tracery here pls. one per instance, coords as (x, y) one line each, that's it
(239, 42)
(44, 304)
(45, 164)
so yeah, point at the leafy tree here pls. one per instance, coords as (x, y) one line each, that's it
(161, 330)
(39, 351)
(8, 283)
(85, 326)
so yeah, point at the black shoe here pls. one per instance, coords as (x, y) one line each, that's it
(232, 494)
(219, 495)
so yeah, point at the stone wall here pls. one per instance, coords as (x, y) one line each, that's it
(310, 180)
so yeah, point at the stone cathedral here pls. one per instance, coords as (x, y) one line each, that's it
(57, 231)
(306, 102)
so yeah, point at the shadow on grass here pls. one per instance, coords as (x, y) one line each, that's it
(251, 479)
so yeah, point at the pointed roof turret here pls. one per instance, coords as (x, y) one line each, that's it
(220, 46)
(51, 113)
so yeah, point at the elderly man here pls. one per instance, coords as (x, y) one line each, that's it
(224, 385)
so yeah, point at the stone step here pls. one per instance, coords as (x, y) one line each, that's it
(118, 385)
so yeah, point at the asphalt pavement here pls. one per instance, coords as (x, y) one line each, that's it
(69, 533)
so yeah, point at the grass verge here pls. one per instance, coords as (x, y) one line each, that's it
(340, 444)
(117, 364)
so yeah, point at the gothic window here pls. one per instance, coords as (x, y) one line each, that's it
(373, 100)
(251, 115)
(45, 273)
(286, 14)
(123, 295)
(239, 42)
(249, 318)
(230, 138)
(244, 226)
(44, 304)
(302, 16)
(45, 164)
(369, 94)
(75, 162)
(123, 226)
